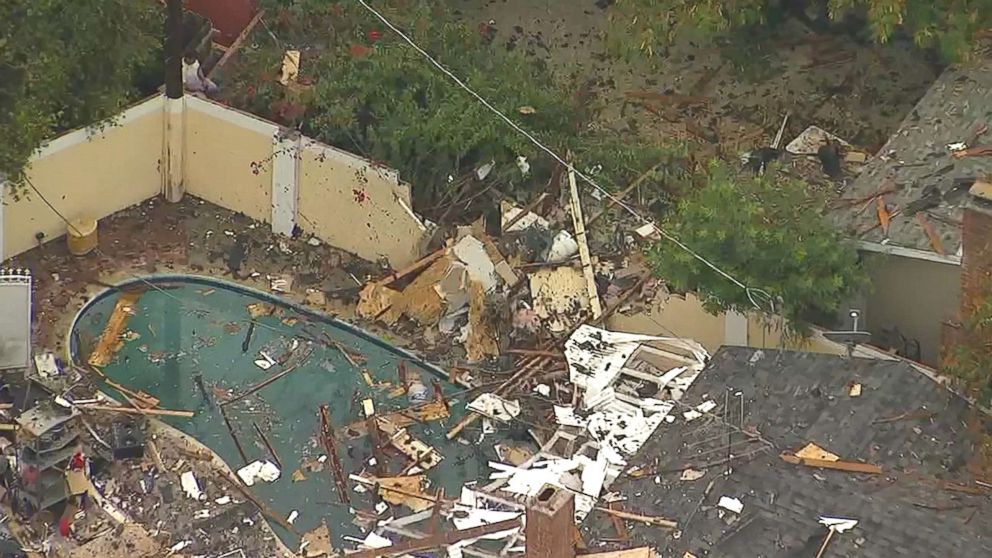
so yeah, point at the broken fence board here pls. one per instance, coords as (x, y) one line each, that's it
(110, 341)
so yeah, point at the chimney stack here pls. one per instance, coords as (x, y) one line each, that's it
(550, 522)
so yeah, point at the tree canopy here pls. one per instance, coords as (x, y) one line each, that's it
(69, 64)
(768, 235)
(951, 26)
(369, 92)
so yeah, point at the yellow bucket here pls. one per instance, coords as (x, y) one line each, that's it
(81, 236)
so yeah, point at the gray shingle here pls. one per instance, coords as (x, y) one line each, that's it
(916, 158)
(795, 398)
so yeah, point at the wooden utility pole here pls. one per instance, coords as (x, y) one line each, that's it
(174, 49)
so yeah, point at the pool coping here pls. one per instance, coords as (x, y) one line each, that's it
(158, 278)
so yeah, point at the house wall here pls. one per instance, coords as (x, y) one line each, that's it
(88, 172)
(913, 295)
(684, 316)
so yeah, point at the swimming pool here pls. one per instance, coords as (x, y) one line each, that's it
(188, 344)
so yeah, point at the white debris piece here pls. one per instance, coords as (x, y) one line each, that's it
(258, 470)
(957, 146)
(523, 165)
(531, 219)
(292, 516)
(223, 500)
(810, 141)
(495, 407)
(530, 480)
(46, 365)
(731, 504)
(265, 362)
(190, 486)
(838, 524)
(544, 390)
(691, 475)
(566, 416)
(373, 540)
(179, 546)
(563, 247)
(483, 171)
(700, 410)
(381, 508)
(472, 252)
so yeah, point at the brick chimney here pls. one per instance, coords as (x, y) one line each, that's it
(976, 261)
(550, 522)
(976, 248)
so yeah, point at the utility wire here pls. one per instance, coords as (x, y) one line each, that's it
(753, 294)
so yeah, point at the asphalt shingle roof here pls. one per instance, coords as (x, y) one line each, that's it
(917, 159)
(791, 399)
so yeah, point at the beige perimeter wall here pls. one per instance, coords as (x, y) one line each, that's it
(89, 172)
(347, 201)
(228, 158)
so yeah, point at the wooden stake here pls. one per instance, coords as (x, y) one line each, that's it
(258, 386)
(268, 445)
(327, 436)
(848, 466)
(230, 430)
(826, 541)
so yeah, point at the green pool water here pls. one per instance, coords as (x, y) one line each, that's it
(197, 326)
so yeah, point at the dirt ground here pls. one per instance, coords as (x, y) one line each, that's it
(859, 92)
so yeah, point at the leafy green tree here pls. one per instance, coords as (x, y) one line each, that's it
(770, 236)
(969, 360)
(951, 26)
(68, 64)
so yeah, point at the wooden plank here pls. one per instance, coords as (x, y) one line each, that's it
(110, 341)
(130, 411)
(847, 466)
(427, 412)
(581, 238)
(237, 42)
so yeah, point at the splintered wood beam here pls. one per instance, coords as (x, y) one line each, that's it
(110, 341)
(327, 437)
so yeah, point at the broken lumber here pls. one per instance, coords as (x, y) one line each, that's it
(523, 212)
(617, 198)
(327, 437)
(883, 215)
(237, 42)
(932, 235)
(422, 454)
(234, 436)
(259, 386)
(977, 151)
(647, 519)
(847, 466)
(438, 540)
(262, 506)
(522, 374)
(110, 341)
(415, 266)
(581, 238)
(425, 412)
(267, 443)
(130, 411)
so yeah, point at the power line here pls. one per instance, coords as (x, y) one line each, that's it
(753, 294)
